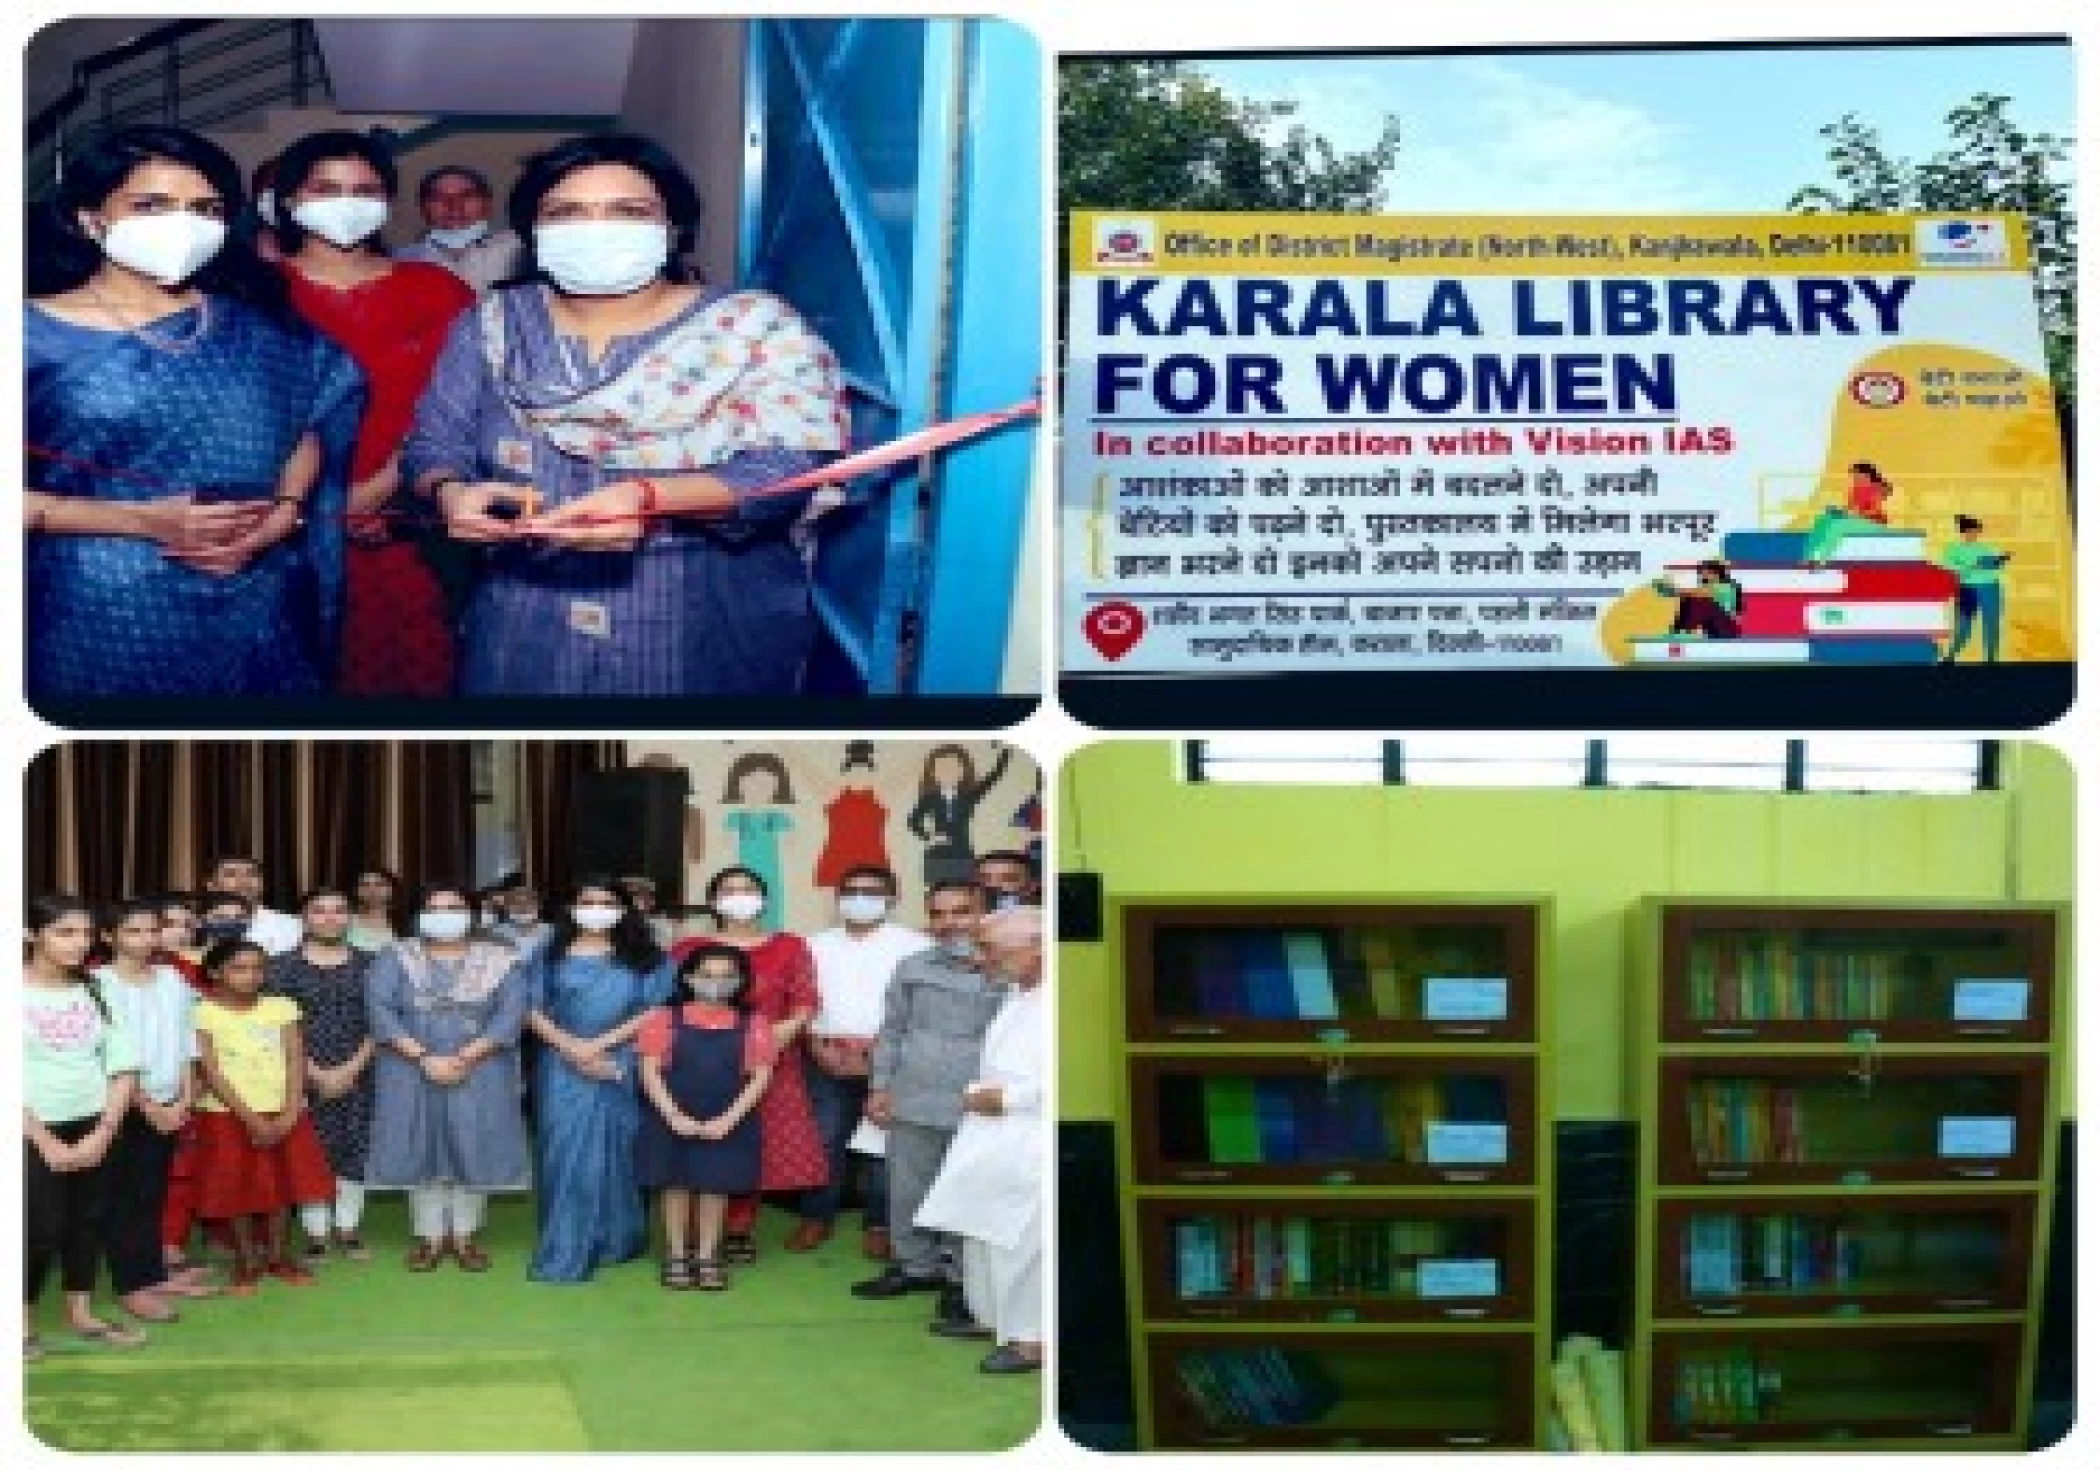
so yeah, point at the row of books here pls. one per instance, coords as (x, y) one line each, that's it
(1741, 1122)
(1753, 977)
(1277, 1258)
(1299, 974)
(1727, 1255)
(1723, 1386)
(1266, 1387)
(1310, 1120)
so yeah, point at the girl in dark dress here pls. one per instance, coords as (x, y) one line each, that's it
(326, 976)
(705, 1064)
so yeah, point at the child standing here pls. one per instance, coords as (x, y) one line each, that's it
(704, 1067)
(77, 1081)
(156, 1007)
(257, 1154)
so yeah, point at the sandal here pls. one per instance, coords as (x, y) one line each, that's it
(470, 1256)
(676, 1275)
(708, 1274)
(245, 1277)
(290, 1272)
(353, 1248)
(109, 1334)
(426, 1255)
(740, 1250)
(150, 1308)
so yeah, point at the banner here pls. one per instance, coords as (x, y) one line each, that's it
(1331, 443)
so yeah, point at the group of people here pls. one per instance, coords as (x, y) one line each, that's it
(268, 456)
(1712, 607)
(204, 1059)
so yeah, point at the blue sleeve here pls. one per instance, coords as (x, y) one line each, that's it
(753, 469)
(447, 430)
(661, 985)
(339, 405)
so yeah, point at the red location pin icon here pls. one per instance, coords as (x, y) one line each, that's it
(1114, 628)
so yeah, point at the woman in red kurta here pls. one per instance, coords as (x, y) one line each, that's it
(334, 191)
(783, 996)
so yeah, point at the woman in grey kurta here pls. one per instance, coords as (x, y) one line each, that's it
(447, 1123)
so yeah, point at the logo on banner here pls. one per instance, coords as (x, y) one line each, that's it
(1963, 242)
(1877, 389)
(1125, 242)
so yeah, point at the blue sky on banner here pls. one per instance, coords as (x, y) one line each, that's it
(1643, 132)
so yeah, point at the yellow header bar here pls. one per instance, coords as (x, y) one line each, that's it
(1134, 242)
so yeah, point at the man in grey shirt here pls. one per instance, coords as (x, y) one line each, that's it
(933, 1024)
(456, 203)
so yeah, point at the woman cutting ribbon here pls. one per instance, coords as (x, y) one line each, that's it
(600, 429)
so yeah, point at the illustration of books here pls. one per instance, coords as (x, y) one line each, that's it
(1876, 601)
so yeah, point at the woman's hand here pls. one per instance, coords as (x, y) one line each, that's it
(181, 526)
(368, 501)
(444, 1071)
(607, 519)
(279, 519)
(714, 1130)
(466, 509)
(94, 1148)
(686, 1127)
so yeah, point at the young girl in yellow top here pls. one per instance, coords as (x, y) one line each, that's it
(258, 1154)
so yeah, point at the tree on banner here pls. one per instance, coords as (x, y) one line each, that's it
(1993, 165)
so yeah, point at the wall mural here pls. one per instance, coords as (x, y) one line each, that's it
(802, 812)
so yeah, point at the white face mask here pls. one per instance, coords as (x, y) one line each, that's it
(168, 248)
(960, 950)
(462, 237)
(716, 992)
(342, 221)
(740, 908)
(266, 206)
(602, 257)
(444, 925)
(596, 917)
(863, 908)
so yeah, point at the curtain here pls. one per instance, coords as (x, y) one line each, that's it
(546, 798)
(114, 819)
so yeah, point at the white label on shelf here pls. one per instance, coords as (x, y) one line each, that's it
(1976, 1138)
(1468, 1143)
(1458, 1278)
(1454, 999)
(1990, 1000)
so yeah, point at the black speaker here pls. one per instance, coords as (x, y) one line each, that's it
(631, 823)
(1079, 908)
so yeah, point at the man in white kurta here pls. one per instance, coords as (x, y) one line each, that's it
(990, 1188)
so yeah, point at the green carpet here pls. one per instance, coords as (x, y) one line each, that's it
(375, 1358)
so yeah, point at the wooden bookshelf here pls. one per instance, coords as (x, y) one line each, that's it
(1336, 1172)
(1848, 1126)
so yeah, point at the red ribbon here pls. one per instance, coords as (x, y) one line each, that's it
(915, 445)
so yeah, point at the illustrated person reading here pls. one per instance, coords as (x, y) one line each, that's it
(188, 441)
(337, 189)
(1981, 568)
(1712, 608)
(599, 429)
(1867, 496)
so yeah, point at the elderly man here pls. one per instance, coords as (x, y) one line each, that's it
(990, 1189)
(934, 1016)
(456, 203)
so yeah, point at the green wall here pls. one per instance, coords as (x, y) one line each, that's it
(1125, 813)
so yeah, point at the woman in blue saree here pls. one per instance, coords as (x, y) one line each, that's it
(593, 981)
(187, 441)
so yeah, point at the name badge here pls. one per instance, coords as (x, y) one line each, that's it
(515, 455)
(591, 619)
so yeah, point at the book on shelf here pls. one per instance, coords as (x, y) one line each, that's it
(1735, 1121)
(1732, 978)
(1255, 1387)
(1347, 1120)
(1277, 1258)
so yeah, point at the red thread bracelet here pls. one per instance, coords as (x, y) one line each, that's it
(650, 500)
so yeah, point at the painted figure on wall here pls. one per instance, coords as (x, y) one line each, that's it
(949, 795)
(855, 819)
(759, 828)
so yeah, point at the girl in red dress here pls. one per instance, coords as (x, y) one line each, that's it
(257, 1152)
(334, 193)
(784, 996)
